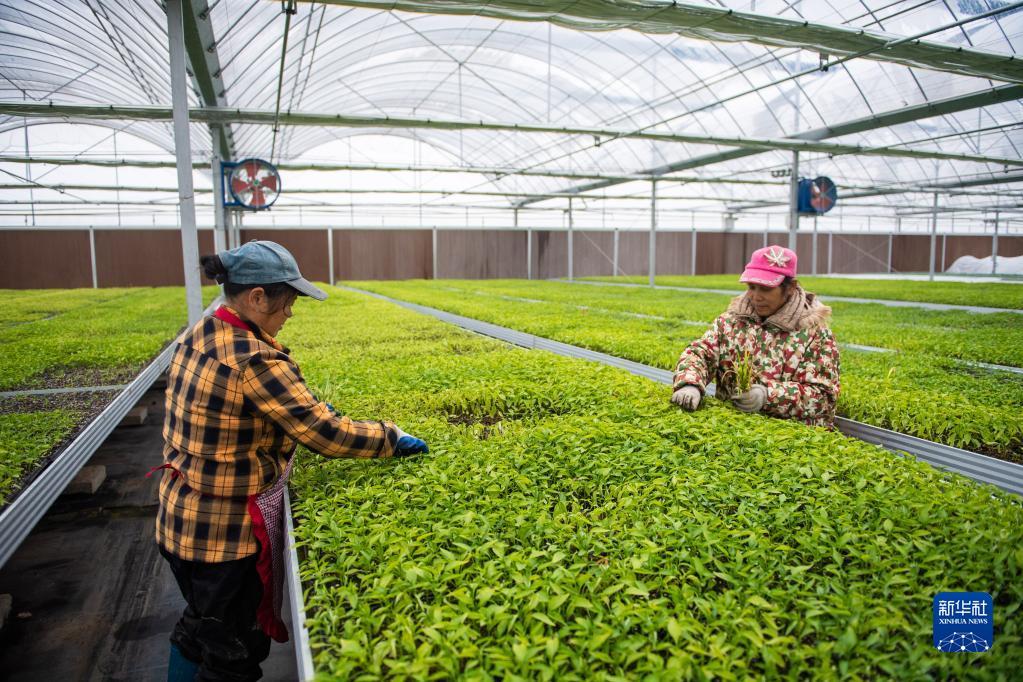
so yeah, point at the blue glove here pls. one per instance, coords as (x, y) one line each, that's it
(410, 445)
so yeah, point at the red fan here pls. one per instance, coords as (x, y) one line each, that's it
(255, 184)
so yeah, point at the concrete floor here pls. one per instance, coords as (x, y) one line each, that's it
(97, 601)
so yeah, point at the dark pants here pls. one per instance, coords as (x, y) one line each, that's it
(218, 629)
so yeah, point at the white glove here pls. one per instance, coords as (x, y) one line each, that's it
(687, 397)
(752, 400)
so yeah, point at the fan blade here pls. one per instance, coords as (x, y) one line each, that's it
(269, 182)
(258, 198)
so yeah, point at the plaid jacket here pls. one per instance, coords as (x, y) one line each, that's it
(237, 406)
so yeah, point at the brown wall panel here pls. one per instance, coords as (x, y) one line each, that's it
(633, 253)
(481, 254)
(859, 253)
(804, 251)
(735, 251)
(910, 253)
(710, 249)
(383, 254)
(593, 253)
(153, 257)
(725, 252)
(44, 259)
(1010, 246)
(144, 258)
(550, 254)
(309, 247)
(673, 253)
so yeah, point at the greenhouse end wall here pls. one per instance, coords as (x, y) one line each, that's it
(46, 258)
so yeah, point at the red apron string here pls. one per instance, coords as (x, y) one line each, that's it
(174, 472)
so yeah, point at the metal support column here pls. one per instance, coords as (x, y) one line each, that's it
(614, 254)
(944, 244)
(813, 267)
(890, 239)
(117, 181)
(219, 224)
(183, 157)
(934, 237)
(794, 201)
(529, 243)
(994, 247)
(28, 171)
(529, 252)
(92, 257)
(330, 253)
(433, 248)
(692, 243)
(831, 250)
(571, 220)
(652, 254)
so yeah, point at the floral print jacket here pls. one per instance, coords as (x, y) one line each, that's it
(794, 356)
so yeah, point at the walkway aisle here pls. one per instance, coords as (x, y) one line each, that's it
(101, 598)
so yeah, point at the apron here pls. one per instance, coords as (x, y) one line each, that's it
(266, 511)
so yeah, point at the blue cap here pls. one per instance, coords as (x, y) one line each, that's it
(261, 262)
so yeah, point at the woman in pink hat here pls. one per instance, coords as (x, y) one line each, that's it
(784, 329)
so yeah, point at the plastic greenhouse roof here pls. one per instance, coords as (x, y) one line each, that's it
(731, 69)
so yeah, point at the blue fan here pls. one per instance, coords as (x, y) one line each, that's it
(817, 196)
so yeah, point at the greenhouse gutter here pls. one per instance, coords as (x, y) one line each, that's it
(299, 632)
(22, 515)
(978, 467)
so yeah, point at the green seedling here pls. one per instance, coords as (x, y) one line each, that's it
(743, 373)
(597, 536)
(653, 326)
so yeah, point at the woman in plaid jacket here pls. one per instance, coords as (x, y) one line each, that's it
(237, 407)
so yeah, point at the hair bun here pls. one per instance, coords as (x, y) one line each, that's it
(214, 268)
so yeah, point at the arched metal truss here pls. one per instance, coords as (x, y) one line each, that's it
(732, 69)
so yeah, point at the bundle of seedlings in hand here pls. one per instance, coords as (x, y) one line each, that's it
(743, 373)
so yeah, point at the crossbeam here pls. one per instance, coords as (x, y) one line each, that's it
(388, 168)
(305, 190)
(254, 116)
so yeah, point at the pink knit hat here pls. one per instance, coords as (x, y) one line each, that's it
(769, 266)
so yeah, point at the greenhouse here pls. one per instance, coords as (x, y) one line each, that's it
(686, 339)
